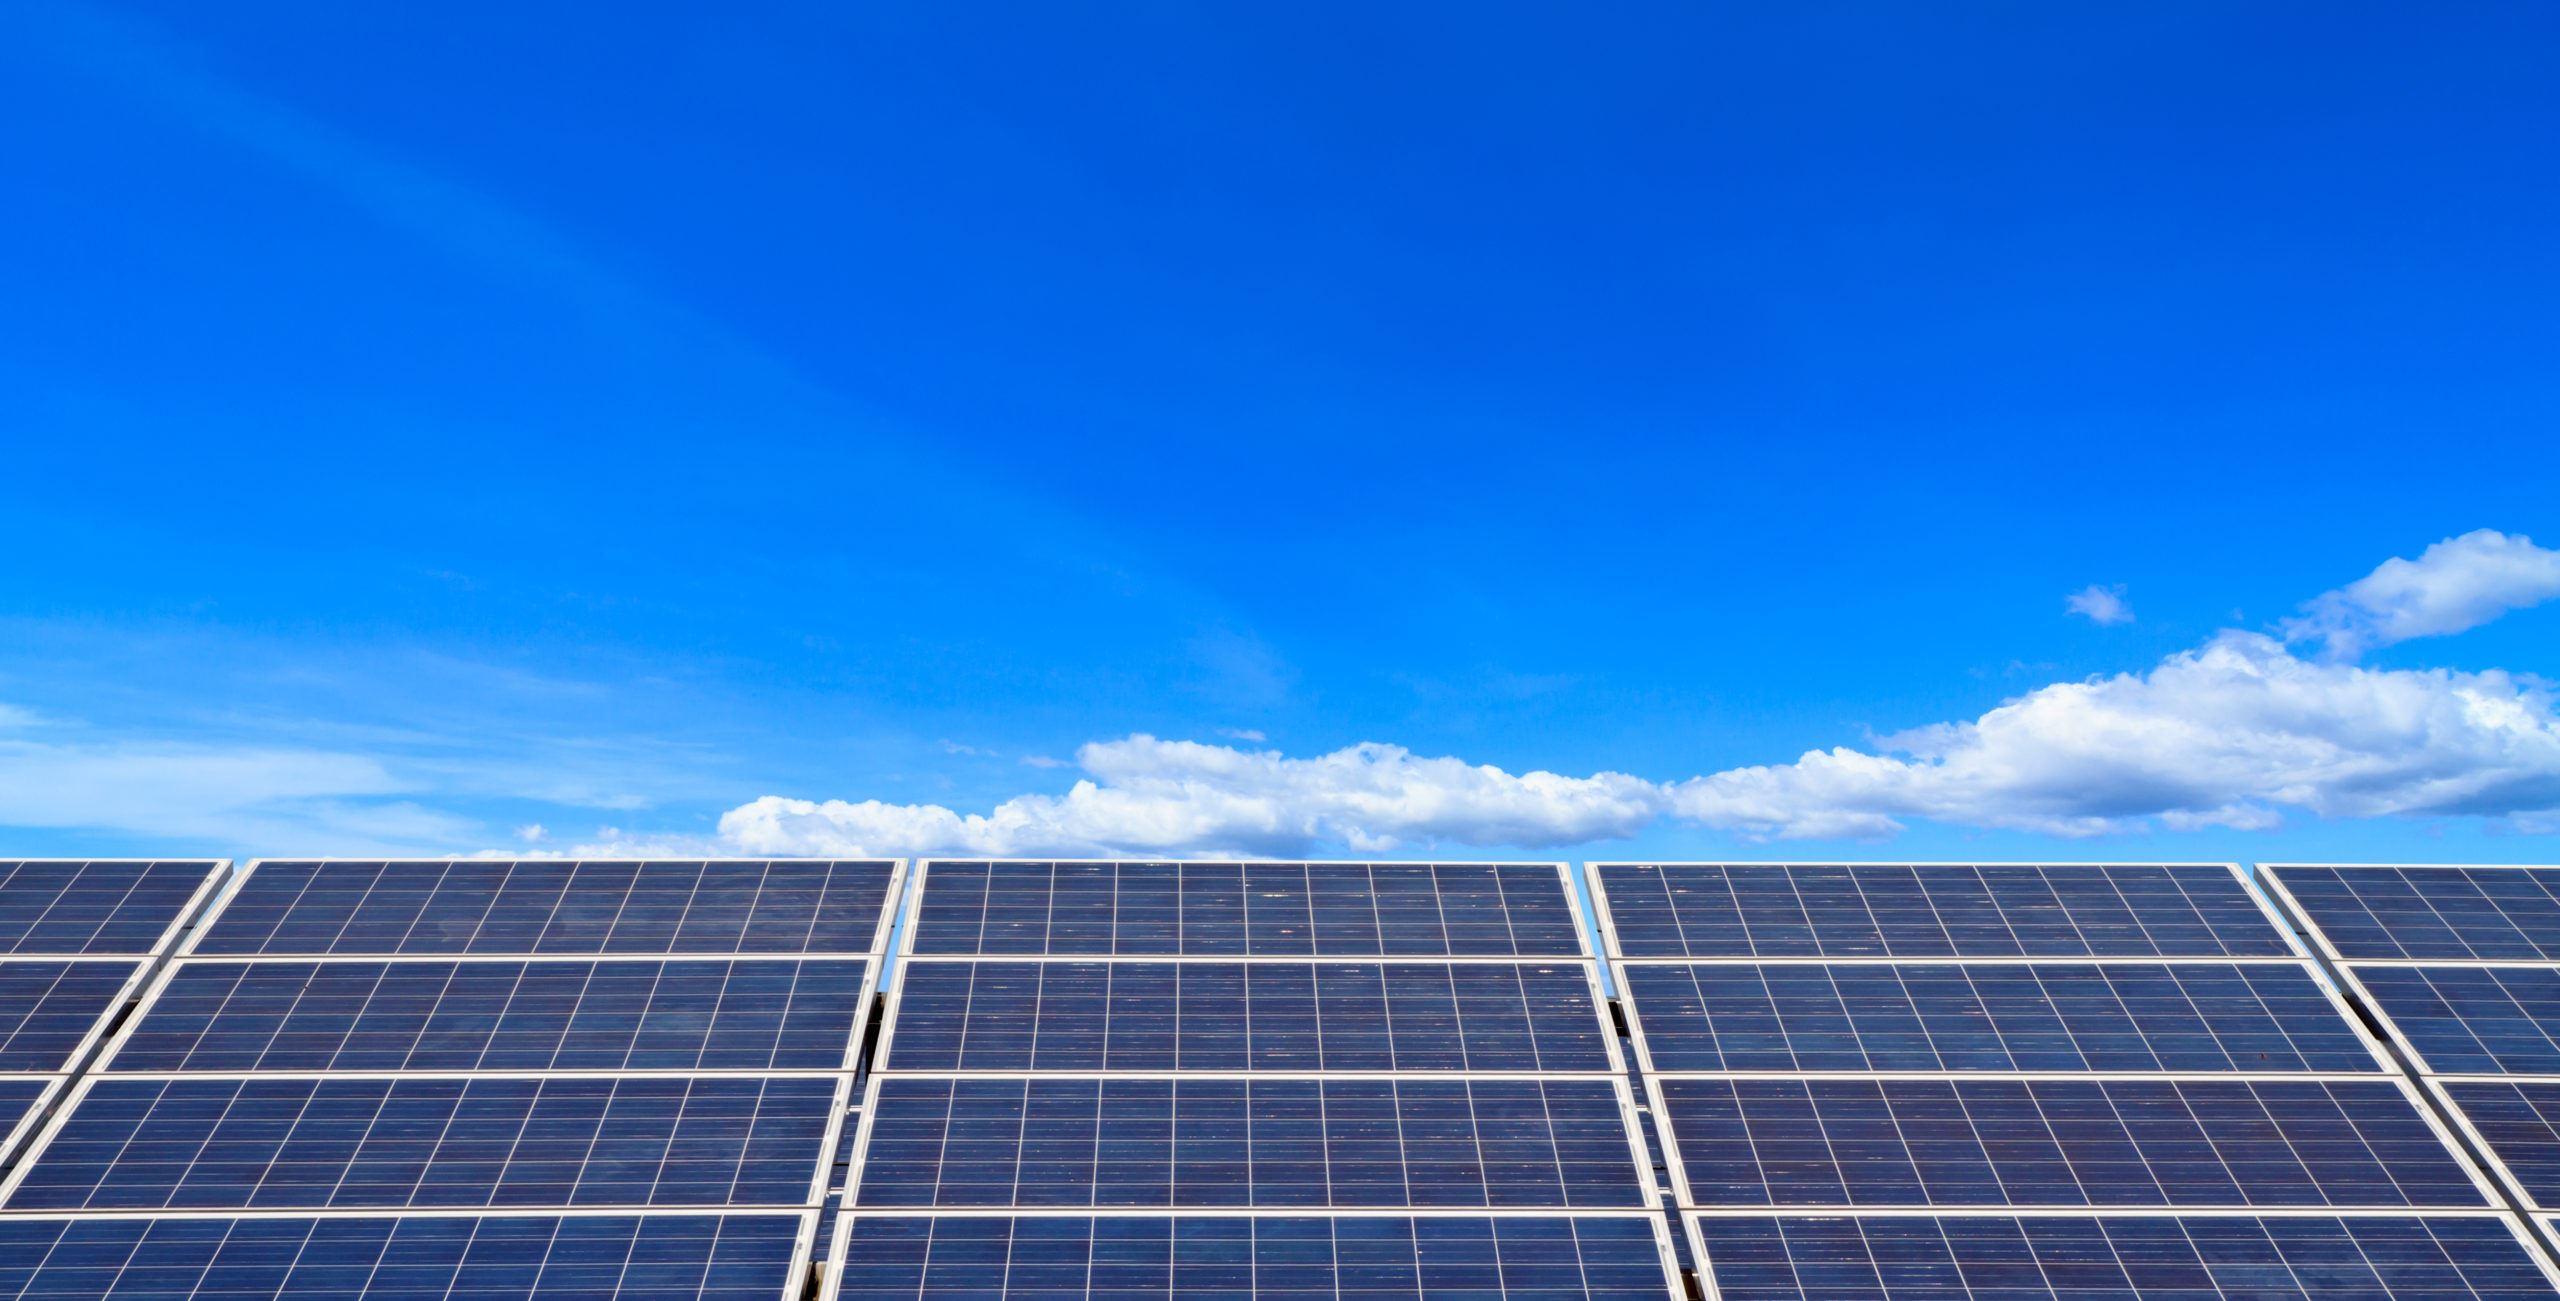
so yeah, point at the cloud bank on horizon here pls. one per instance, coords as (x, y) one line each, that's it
(2235, 733)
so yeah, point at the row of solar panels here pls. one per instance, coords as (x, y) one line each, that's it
(1909, 1080)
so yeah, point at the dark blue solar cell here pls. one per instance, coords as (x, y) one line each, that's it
(2488, 913)
(319, 1144)
(2120, 1258)
(2067, 910)
(424, 1015)
(789, 906)
(1232, 909)
(1373, 1258)
(2473, 1020)
(2521, 1124)
(2115, 1017)
(48, 1008)
(2010, 1142)
(1262, 1016)
(485, 1258)
(51, 905)
(1257, 1143)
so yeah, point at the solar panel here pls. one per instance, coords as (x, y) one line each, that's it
(1370, 1257)
(630, 1014)
(2057, 1016)
(1260, 1142)
(2072, 1258)
(2518, 1121)
(241, 1258)
(99, 906)
(1776, 910)
(2422, 912)
(1263, 1015)
(1234, 909)
(2058, 1141)
(553, 906)
(307, 1143)
(2472, 1020)
(51, 1011)
(22, 1103)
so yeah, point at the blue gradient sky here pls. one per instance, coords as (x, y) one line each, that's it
(427, 425)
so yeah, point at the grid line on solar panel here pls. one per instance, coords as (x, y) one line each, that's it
(631, 1014)
(195, 1142)
(2124, 1015)
(53, 1011)
(749, 1256)
(2047, 1141)
(1105, 907)
(1309, 1142)
(2423, 912)
(2465, 1018)
(102, 906)
(2263, 1255)
(1925, 910)
(1268, 1014)
(1372, 1256)
(322, 907)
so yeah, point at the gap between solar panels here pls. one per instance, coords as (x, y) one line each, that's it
(1385, 1078)
(1881, 1080)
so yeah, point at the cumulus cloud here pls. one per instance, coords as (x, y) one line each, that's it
(2102, 605)
(2457, 584)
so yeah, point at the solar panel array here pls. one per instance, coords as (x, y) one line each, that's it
(2462, 966)
(1136, 1079)
(469, 1078)
(1954, 1080)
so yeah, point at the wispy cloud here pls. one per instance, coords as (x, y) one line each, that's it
(2455, 585)
(2101, 605)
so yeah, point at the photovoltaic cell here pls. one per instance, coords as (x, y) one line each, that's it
(47, 1009)
(316, 1144)
(2520, 1121)
(2065, 1142)
(1228, 1143)
(1232, 909)
(17, 1098)
(1260, 1016)
(2473, 1020)
(547, 907)
(1955, 910)
(96, 907)
(2117, 1017)
(1374, 1258)
(623, 1015)
(2485, 913)
(485, 1258)
(2120, 1258)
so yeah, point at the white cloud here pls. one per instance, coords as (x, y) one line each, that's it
(2457, 584)
(285, 800)
(1243, 734)
(532, 833)
(2103, 605)
(1147, 795)
(1043, 761)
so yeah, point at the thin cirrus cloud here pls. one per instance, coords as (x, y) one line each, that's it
(2236, 733)
(2101, 605)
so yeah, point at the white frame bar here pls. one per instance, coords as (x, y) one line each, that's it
(880, 1063)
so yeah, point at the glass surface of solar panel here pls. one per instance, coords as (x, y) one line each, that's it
(551, 906)
(1704, 910)
(2519, 1120)
(1259, 1016)
(427, 1015)
(1249, 1143)
(2120, 1258)
(1373, 1258)
(318, 1144)
(49, 1009)
(2113, 1017)
(2474, 913)
(17, 1098)
(484, 1258)
(95, 907)
(1236, 909)
(2059, 1142)
(2473, 1020)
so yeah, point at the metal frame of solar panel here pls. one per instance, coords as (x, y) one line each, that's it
(1298, 937)
(490, 1136)
(67, 986)
(2506, 1115)
(1936, 1004)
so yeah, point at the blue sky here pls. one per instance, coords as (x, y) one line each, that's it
(426, 427)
